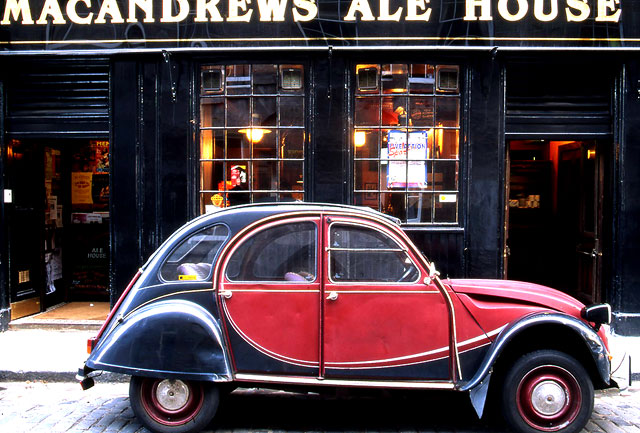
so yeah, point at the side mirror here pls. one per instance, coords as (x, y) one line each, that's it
(599, 314)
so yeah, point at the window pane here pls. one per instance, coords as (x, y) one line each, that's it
(291, 111)
(212, 112)
(367, 111)
(279, 254)
(419, 207)
(367, 255)
(264, 112)
(447, 112)
(394, 78)
(291, 143)
(192, 259)
(265, 79)
(392, 203)
(447, 143)
(238, 145)
(421, 79)
(421, 111)
(264, 175)
(211, 144)
(266, 147)
(366, 175)
(394, 110)
(446, 208)
(446, 175)
(238, 80)
(291, 175)
(366, 144)
(238, 112)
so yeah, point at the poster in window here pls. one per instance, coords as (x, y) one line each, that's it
(407, 153)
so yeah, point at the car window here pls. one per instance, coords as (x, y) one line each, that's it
(284, 253)
(367, 255)
(193, 258)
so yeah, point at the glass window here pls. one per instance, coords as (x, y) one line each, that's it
(252, 134)
(406, 137)
(193, 258)
(358, 254)
(284, 253)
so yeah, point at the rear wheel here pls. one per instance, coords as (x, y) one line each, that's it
(547, 391)
(173, 405)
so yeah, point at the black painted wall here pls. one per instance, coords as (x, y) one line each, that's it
(4, 286)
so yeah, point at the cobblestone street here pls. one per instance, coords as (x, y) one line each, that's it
(38, 407)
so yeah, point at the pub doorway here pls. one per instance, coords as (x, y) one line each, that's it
(58, 223)
(554, 214)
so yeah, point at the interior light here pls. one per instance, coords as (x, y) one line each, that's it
(359, 138)
(254, 135)
(591, 154)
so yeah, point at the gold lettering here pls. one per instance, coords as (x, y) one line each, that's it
(51, 7)
(485, 10)
(307, 5)
(503, 10)
(145, 5)
(581, 6)
(15, 8)
(604, 6)
(538, 10)
(72, 13)
(109, 7)
(412, 10)
(361, 6)
(384, 12)
(211, 7)
(272, 10)
(235, 6)
(167, 10)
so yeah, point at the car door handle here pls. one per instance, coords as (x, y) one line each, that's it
(226, 294)
(332, 296)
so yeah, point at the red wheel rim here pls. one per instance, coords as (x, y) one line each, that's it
(171, 402)
(549, 398)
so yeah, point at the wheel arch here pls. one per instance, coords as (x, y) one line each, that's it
(166, 339)
(546, 331)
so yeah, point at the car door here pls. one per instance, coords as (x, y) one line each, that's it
(269, 293)
(381, 321)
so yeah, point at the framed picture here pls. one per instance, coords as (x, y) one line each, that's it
(371, 187)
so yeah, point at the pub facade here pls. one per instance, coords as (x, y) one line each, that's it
(501, 133)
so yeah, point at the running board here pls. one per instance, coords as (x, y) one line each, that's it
(297, 380)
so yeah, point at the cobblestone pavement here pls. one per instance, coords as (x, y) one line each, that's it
(38, 407)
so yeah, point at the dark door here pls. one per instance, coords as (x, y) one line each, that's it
(25, 216)
(580, 198)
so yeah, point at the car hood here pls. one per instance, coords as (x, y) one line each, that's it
(518, 292)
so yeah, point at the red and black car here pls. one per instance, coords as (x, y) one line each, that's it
(315, 295)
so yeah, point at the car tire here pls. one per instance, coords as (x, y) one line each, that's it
(173, 405)
(547, 391)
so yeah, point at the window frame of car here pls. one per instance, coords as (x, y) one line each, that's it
(402, 247)
(237, 244)
(179, 242)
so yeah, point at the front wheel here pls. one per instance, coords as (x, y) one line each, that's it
(547, 391)
(172, 405)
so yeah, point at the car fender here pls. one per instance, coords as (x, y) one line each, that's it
(170, 339)
(591, 339)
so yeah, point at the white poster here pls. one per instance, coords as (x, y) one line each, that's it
(406, 167)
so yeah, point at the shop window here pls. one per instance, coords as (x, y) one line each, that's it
(406, 133)
(252, 134)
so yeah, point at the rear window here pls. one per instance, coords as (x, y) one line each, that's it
(193, 258)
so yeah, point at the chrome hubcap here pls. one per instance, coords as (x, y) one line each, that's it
(548, 398)
(172, 394)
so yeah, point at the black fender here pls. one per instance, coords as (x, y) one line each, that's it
(166, 339)
(478, 384)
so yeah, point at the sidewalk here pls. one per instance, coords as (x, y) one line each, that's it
(54, 355)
